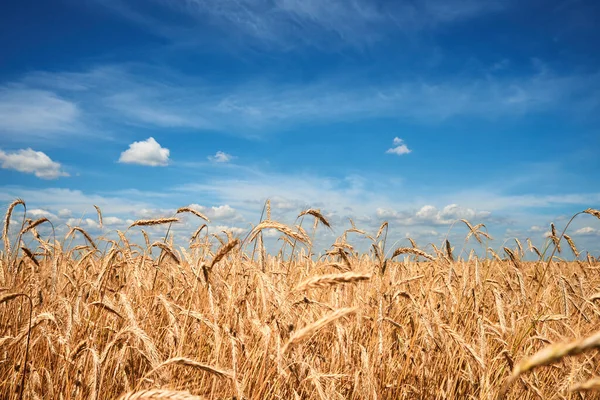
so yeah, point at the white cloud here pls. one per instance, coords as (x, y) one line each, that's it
(110, 221)
(85, 223)
(32, 162)
(221, 157)
(64, 213)
(271, 233)
(30, 112)
(148, 213)
(431, 215)
(222, 212)
(587, 231)
(39, 213)
(147, 152)
(236, 231)
(537, 229)
(399, 147)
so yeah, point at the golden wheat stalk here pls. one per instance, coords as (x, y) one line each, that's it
(338, 266)
(554, 237)
(412, 250)
(157, 221)
(197, 232)
(571, 245)
(7, 216)
(30, 256)
(512, 257)
(223, 251)
(298, 235)
(34, 224)
(591, 211)
(549, 355)
(192, 211)
(167, 249)
(107, 307)
(472, 231)
(306, 332)
(449, 250)
(159, 394)
(381, 228)
(99, 212)
(268, 209)
(591, 384)
(412, 242)
(595, 296)
(187, 362)
(458, 339)
(84, 233)
(9, 296)
(331, 280)
(317, 214)
(520, 246)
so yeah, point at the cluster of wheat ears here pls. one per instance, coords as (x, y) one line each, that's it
(223, 319)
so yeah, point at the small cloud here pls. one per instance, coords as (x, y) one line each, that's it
(110, 221)
(223, 212)
(587, 231)
(153, 212)
(236, 231)
(147, 152)
(86, 223)
(384, 213)
(537, 228)
(271, 233)
(399, 147)
(221, 157)
(39, 213)
(427, 212)
(65, 213)
(32, 162)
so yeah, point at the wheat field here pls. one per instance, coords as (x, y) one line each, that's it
(223, 318)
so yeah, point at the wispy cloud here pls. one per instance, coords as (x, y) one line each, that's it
(587, 231)
(162, 98)
(219, 213)
(498, 200)
(147, 152)
(400, 148)
(287, 24)
(35, 112)
(221, 157)
(32, 162)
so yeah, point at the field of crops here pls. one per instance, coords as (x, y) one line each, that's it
(224, 318)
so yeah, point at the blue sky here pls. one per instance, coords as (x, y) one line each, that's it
(418, 112)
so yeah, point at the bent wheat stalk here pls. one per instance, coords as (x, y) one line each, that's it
(331, 280)
(157, 221)
(309, 330)
(159, 394)
(412, 250)
(549, 355)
